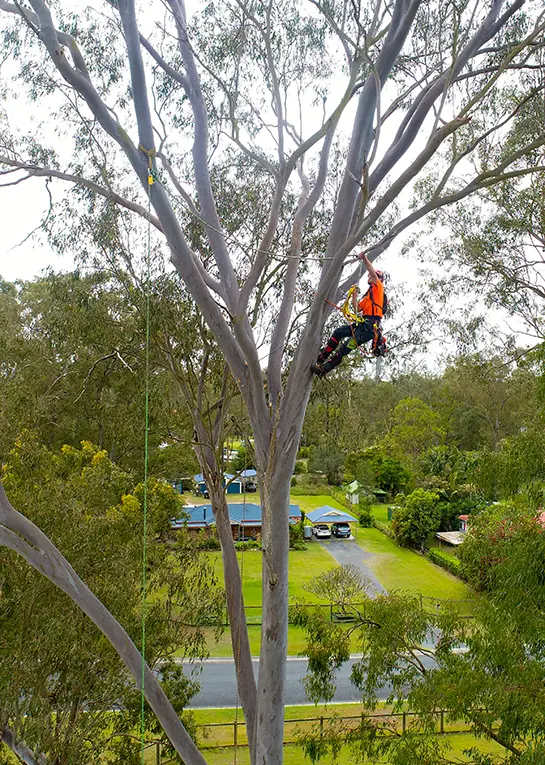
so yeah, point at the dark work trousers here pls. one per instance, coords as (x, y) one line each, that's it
(343, 341)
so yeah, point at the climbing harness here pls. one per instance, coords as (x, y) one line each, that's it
(378, 343)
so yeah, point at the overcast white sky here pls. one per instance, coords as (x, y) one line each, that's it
(23, 207)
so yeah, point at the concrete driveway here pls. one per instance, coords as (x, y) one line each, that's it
(347, 551)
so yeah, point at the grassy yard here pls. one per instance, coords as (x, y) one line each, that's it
(380, 512)
(399, 569)
(305, 717)
(293, 755)
(304, 566)
(306, 502)
(222, 735)
(395, 568)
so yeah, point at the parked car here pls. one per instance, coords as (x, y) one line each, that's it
(250, 486)
(321, 531)
(341, 530)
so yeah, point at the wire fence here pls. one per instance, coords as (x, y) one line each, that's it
(232, 734)
(334, 612)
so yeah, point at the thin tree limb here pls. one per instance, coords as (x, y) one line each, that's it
(78, 180)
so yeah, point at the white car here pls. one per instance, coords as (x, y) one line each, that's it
(321, 531)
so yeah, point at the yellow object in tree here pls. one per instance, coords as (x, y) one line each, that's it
(347, 307)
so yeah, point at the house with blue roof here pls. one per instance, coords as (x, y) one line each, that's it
(328, 514)
(246, 519)
(233, 485)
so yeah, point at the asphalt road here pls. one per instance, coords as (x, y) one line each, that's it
(219, 689)
(218, 685)
(347, 551)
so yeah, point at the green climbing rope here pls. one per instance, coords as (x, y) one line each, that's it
(151, 181)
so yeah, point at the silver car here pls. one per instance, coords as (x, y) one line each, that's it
(321, 531)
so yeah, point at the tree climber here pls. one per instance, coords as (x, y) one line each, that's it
(369, 311)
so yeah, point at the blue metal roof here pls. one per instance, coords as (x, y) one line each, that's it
(328, 514)
(249, 513)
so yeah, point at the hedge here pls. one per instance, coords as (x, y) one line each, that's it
(384, 528)
(447, 562)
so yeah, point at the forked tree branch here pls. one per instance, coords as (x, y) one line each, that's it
(308, 201)
(200, 159)
(423, 103)
(262, 254)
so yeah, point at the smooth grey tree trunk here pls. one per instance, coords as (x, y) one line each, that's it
(274, 631)
(240, 643)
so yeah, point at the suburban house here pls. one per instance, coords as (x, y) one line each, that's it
(245, 481)
(245, 519)
(327, 514)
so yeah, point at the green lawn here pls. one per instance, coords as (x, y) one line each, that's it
(380, 512)
(223, 736)
(304, 566)
(306, 717)
(297, 642)
(397, 568)
(293, 755)
(308, 502)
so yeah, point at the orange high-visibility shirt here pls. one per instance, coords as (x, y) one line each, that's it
(372, 302)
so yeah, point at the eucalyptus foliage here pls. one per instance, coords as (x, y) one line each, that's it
(64, 691)
(266, 128)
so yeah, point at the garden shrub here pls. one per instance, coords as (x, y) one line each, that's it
(365, 512)
(416, 519)
(445, 561)
(207, 542)
(249, 544)
(296, 536)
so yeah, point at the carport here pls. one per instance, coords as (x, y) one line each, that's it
(328, 514)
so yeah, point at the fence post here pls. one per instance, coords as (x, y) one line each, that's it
(321, 726)
(158, 753)
(331, 612)
(235, 734)
(442, 723)
(404, 723)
